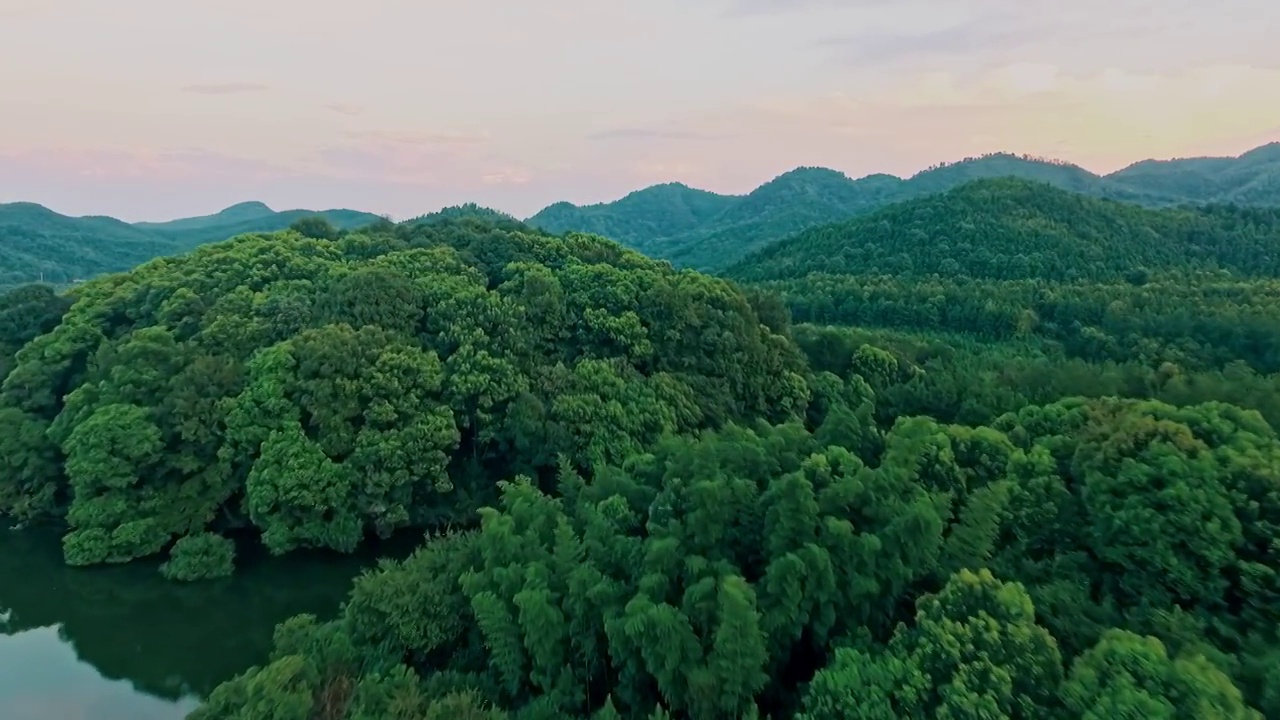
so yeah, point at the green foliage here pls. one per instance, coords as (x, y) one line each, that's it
(1126, 675)
(26, 312)
(200, 557)
(315, 226)
(975, 651)
(754, 572)
(320, 391)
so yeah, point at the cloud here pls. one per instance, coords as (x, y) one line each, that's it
(420, 138)
(1086, 36)
(977, 34)
(434, 158)
(125, 163)
(230, 88)
(746, 8)
(642, 133)
(506, 176)
(342, 108)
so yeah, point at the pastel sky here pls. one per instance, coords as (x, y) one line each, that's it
(153, 109)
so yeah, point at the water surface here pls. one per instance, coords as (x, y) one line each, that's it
(123, 643)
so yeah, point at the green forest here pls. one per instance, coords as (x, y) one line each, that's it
(1005, 450)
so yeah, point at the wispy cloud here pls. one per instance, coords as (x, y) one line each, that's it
(420, 138)
(154, 164)
(642, 133)
(419, 157)
(1126, 34)
(342, 108)
(229, 88)
(506, 176)
(746, 8)
(978, 34)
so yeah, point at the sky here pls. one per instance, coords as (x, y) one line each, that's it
(155, 109)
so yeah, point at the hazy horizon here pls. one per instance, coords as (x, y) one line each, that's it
(146, 110)
(424, 211)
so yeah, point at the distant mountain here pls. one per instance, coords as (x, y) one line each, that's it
(657, 211)
(1250, 179)
(783, 206)
(1014, 229)
(661, 221)
(38, 244)
(251, 217)
(235, 214)
(468, 210)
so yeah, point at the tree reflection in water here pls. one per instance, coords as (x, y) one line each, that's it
(171, 642)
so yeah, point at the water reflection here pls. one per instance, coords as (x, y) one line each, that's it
(41, 679)
(121, 643)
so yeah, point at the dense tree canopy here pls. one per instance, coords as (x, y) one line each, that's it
(1017, 458)
(320, 391)
(1083, 559)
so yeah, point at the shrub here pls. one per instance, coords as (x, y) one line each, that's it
(200, 557)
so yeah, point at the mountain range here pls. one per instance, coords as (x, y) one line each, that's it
(38, 244)
(708, 231)
(672, 221)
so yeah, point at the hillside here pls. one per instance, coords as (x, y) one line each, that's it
(38, 244)
(734, 226)
(1010, 229)
(654, 212)
(1007, 259)
(787, 204)
(1251, 179)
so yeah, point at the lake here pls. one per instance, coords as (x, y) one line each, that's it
(123, 643)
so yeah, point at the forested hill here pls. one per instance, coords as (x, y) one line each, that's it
(654, 212)
(1010, 229)
(318, 391)
(1159, 292)
(1251, 179)
(37, 243)
(708, 231)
